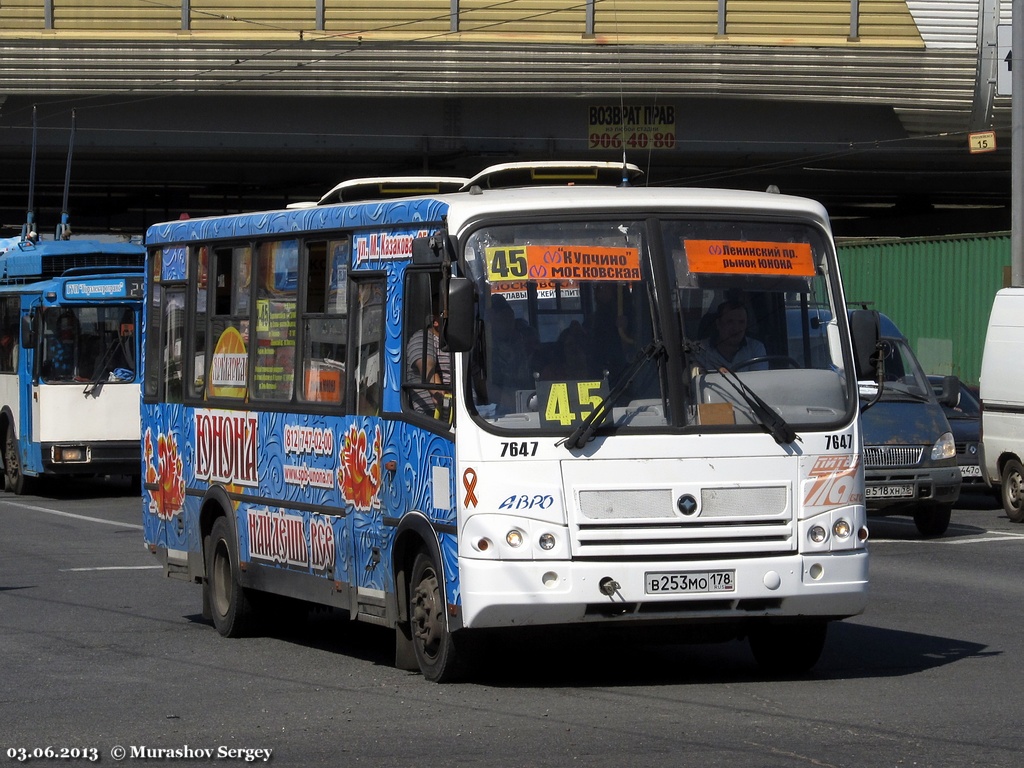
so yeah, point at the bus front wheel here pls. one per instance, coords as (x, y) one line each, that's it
(788, 649)
(433, 644)
(229, 603)
(14, 479)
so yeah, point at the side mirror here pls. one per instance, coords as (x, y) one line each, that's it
(28, 330)
(950, 394)
(459, 330)
(428, 251)
(864, 327)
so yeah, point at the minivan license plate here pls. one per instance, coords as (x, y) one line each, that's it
(689, 582)
(889, 491)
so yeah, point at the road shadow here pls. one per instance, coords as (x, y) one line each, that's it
(853, 651)
(580, 657)
(978, 499)
(105, 486)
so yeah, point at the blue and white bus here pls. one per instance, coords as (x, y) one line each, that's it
(70, 310)
(501, 407)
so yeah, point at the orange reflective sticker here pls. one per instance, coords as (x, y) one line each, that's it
(562, 262)
(728, 257)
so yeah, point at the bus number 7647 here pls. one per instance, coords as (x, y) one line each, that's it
(522, 448)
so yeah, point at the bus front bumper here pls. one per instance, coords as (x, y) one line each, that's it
(536, 593)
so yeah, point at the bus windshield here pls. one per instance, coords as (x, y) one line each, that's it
(656, 323)
(88, 344)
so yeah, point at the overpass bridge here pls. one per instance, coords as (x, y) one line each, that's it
(205, 106)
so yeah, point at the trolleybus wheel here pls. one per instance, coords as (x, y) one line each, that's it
(932, 518)
(432, 642)
(1013, 480)
(788, 648)
(13, 476)
(229, 604)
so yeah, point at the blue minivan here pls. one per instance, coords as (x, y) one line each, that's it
(910, 461)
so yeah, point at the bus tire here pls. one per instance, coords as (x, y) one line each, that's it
(229, 604)
(1011, 490)
(433, 644)
(14, 479)
(788, 649)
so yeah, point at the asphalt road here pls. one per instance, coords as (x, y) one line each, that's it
(99, 653)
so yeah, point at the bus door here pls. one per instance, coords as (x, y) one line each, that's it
(21, 391)
(421, 446)
(371, 465)
(165, 431)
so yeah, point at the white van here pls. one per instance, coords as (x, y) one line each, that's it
(1002, 399)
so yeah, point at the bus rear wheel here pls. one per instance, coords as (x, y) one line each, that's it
(433, 644)
(14, 479)
(229, 603)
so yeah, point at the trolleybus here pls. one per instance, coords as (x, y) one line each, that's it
(70, 310)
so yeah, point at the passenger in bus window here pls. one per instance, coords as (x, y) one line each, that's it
(729, 344)
(429, 364)
(59, 361)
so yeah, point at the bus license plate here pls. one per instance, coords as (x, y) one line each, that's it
(689, 582)
(970, 470)
(889, 491)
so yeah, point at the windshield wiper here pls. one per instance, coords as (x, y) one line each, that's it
(584, 432)
(770, 419)
(892, 391)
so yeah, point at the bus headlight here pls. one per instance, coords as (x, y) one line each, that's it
(490, 536)
(841, 529)
(817, 534)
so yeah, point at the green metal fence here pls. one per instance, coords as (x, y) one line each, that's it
(938, 291)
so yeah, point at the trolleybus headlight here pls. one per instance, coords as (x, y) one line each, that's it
(841, 529)
(67, 453)
(547, 541)
(817, 534)
(514, 538)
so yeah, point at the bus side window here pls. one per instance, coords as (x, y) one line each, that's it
(153, 323)
(274, 345)
(10, 311)
(369, 340)
(227, 364)
(324, 322)
(197, 377)
(174, 336)
(427, 367)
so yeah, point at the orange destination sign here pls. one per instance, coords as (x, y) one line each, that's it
(747, 257)
(562, 262)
